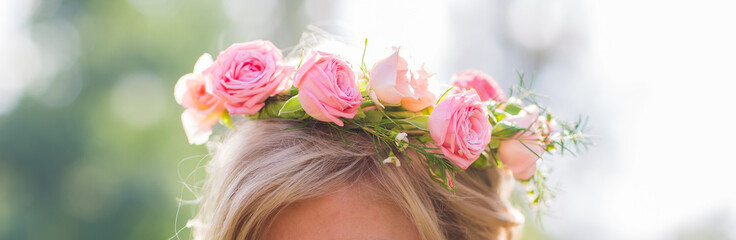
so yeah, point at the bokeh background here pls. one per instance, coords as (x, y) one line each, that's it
(91, 145)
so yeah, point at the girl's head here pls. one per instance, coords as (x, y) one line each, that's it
(277, 179)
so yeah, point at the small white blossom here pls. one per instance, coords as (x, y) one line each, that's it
(393, 160)
(402, 140)
(402, 137)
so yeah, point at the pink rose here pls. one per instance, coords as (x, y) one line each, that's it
(393, 82)
(486, 87)
(328, 88)
(459, 126)
(521, 159)
(203, 108)
(246, 74)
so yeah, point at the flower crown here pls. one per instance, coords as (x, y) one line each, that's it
(473, 124)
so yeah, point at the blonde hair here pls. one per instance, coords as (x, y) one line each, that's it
(266, 165)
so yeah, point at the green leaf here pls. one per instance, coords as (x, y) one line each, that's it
(512, 109)
(373, 116)
(499, 115)
(426, 138)
(293, 90)
(291, 105)
(401, 114)
(363, 67)
(505, 130)
(359, 115)
(227, 120)
(270, 110)
(495, 143)
(362, 86)
(300, 60)
(482, 161)
(426, 111)
(492, 118)
(442, 97)
(496, 159)
(420, 122)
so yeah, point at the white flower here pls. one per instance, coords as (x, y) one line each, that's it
(402, 137)
(393, 160)
(401, 140)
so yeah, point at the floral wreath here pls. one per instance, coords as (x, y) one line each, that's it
(472, 124)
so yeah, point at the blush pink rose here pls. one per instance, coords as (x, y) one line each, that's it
(328, 88)
(246, 74)
(521, 153)
(203, 109)
(394, 82)
(459, 126)
(484, 84)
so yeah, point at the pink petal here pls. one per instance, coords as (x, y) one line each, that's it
(204, 62)
(198, 127)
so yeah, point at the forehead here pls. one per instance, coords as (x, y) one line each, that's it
(348, 213)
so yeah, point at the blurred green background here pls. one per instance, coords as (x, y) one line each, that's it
(92, 148)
